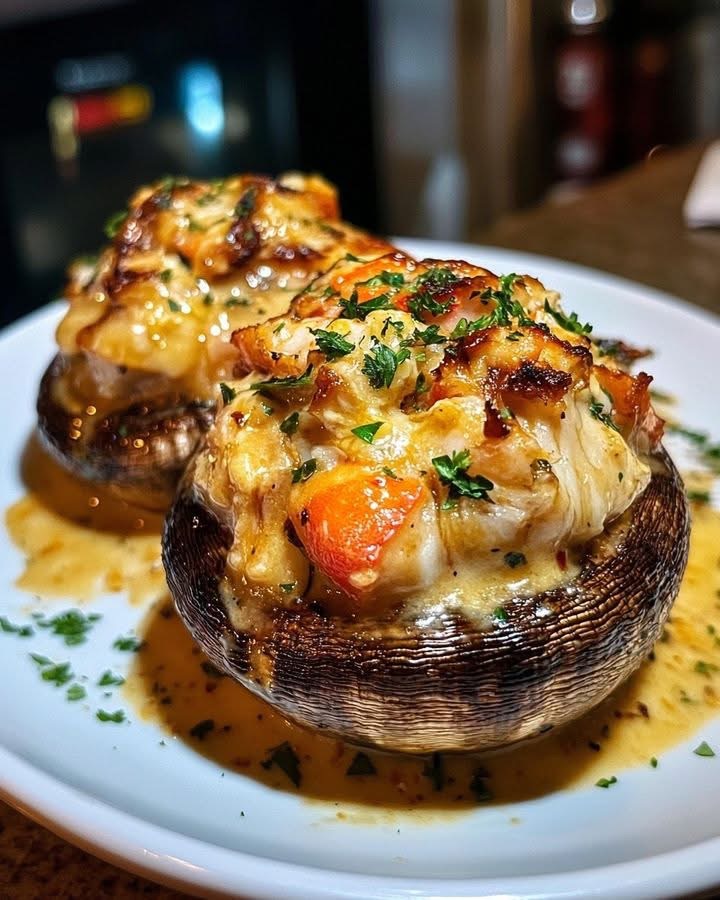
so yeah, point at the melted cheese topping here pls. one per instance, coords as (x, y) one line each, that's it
(496, 429)
(191, 262)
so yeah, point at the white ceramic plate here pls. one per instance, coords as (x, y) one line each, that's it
(168, 812)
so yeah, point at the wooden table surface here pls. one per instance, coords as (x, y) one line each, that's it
(630, 225)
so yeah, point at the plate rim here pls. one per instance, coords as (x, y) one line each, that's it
(191, 863)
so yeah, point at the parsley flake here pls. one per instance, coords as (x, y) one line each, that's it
(597, 411)
(569, 323)
(72, 626)
(361, 765)
(304, 471)
(389, 279)
(513, 559)
(367, 432)
(434, 769)
(278, 385)
(75, 692)
(114, 223)
(128, 644)
(353, 309)
(606, 782)
(9, 627)
(227, 393)
(117, 717)
(284, 757)
(453, 472)
(202, 729)
(109, 678)
(332, 344)
(381, 364)
(704, 749)
(290, 424)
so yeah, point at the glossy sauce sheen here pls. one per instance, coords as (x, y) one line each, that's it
(666, 702)
(78, 548)
(80, 540)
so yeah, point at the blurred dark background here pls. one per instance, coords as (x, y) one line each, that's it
(434, 118)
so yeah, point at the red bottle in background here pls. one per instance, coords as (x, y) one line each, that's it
(583, 88)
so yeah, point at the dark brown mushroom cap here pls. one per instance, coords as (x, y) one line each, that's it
(451, 687)
(141, 450)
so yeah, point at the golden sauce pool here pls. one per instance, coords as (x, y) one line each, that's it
(673, 694)
(80, 540)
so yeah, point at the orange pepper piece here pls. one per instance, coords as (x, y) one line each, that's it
(345, 517)
(348, 282)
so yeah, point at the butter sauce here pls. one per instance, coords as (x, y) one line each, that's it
(80, 542)
(664, 703)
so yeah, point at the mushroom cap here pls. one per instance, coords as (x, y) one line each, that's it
(451, 687)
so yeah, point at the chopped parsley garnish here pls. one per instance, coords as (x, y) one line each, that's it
(381, 364)
(128, 644)
(284, 757)
(453, 472)
(705, 668)
(569, 323)
(429, 335)
(332, 344)
(390, 474)
(174, 305)
(361, 765)
(367, 432)
(246, 204)
(653, 762)
(202, 729)
(704, 749)
(289, 587)
(235, 301)
(227, 393)
(303, 472)
(353, 309)
(709, 453)
(58, 673)
(9, 627)
(109, 678)
(289, 383)
(695, 437)
(434, 769)
(290, 424)
(75, 692)
(513, 559)
(166, 275)
(500, 614)
(40, 660)
(597, 411)
(210, 670)
(266, 408)
(698, 496)
(117, 717)
(423, 302)
(606, 782)
(506, 309)
(114, 223)
(389, 279)
(72, 625)
(478, 786)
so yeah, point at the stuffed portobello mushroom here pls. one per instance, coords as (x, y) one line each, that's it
(432, 514)
(145, 339)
